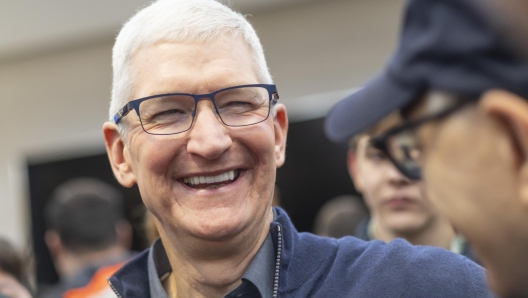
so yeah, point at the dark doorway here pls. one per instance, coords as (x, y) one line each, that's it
(315, 172)
(44, 177)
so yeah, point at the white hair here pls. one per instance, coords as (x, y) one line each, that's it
(177, 21)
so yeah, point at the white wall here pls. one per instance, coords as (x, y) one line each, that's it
(53, 106)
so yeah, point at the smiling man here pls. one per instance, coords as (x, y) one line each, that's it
(463, 94)
(196, 124)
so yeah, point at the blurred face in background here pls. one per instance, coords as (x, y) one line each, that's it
(395, 202)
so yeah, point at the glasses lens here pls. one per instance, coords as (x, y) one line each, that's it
(167, 114)
(405, 151)
(243, 106)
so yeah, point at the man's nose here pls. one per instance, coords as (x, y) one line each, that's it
(395, 177)
(208, 136)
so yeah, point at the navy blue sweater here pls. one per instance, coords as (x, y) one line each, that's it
(312, 266)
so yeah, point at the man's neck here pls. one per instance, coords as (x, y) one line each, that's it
(208, 268)
(436, 233)
(71, 264)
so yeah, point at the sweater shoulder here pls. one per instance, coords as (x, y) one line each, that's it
(429, 271)
(131, 280)
(350, 266)
(314, 266)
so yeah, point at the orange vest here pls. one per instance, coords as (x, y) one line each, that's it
(98, 286)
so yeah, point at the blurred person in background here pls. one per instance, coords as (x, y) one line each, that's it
(463, 95)
(195, 122)
(340, 216)
(85, 230)
(14, 282)
(398, 207)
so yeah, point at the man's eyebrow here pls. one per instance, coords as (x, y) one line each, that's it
(371, 146)
(176, 90)
(369, 143)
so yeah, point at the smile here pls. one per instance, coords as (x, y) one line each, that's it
(212, 181)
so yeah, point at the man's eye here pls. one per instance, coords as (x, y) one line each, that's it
(239, 104)
(376, 155)
(168, 115)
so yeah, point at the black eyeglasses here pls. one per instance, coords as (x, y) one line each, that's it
(401, 144)
(174, 113)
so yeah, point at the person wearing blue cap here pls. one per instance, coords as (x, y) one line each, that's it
(463, 96)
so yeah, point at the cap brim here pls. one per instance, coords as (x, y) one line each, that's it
(362, 109)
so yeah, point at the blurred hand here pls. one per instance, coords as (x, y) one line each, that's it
(11, 288)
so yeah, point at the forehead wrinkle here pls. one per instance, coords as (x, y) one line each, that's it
(210, 71)
(169, 67)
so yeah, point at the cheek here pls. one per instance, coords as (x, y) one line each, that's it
(464, 172)
(153, 160)
(259, 142)
(437, 192)
(445, 160)
(372, 183)
(420, 191)
(442, 172)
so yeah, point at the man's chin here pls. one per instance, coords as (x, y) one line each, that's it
(217, 230)
(408, 223)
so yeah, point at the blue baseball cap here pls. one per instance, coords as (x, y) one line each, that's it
(445, 45)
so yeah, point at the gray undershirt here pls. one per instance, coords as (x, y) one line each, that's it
(260, 271)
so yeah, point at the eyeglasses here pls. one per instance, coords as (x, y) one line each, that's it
(174, 113)
(401, 144)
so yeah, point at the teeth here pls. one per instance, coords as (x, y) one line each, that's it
(230, 175)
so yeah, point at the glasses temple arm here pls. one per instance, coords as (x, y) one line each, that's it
(122, 113)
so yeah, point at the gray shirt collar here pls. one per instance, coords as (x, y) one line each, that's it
(260, 271)
(158, 267)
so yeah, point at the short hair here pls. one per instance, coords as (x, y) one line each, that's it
(12, 263)
(85, 212)
(177, 21)
(340, 216)
(388, 122)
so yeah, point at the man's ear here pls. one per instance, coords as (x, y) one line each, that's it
(117, 154)
(54, 243)
(512, 110)
(352, 164)
(280, 122)
(124, 233)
